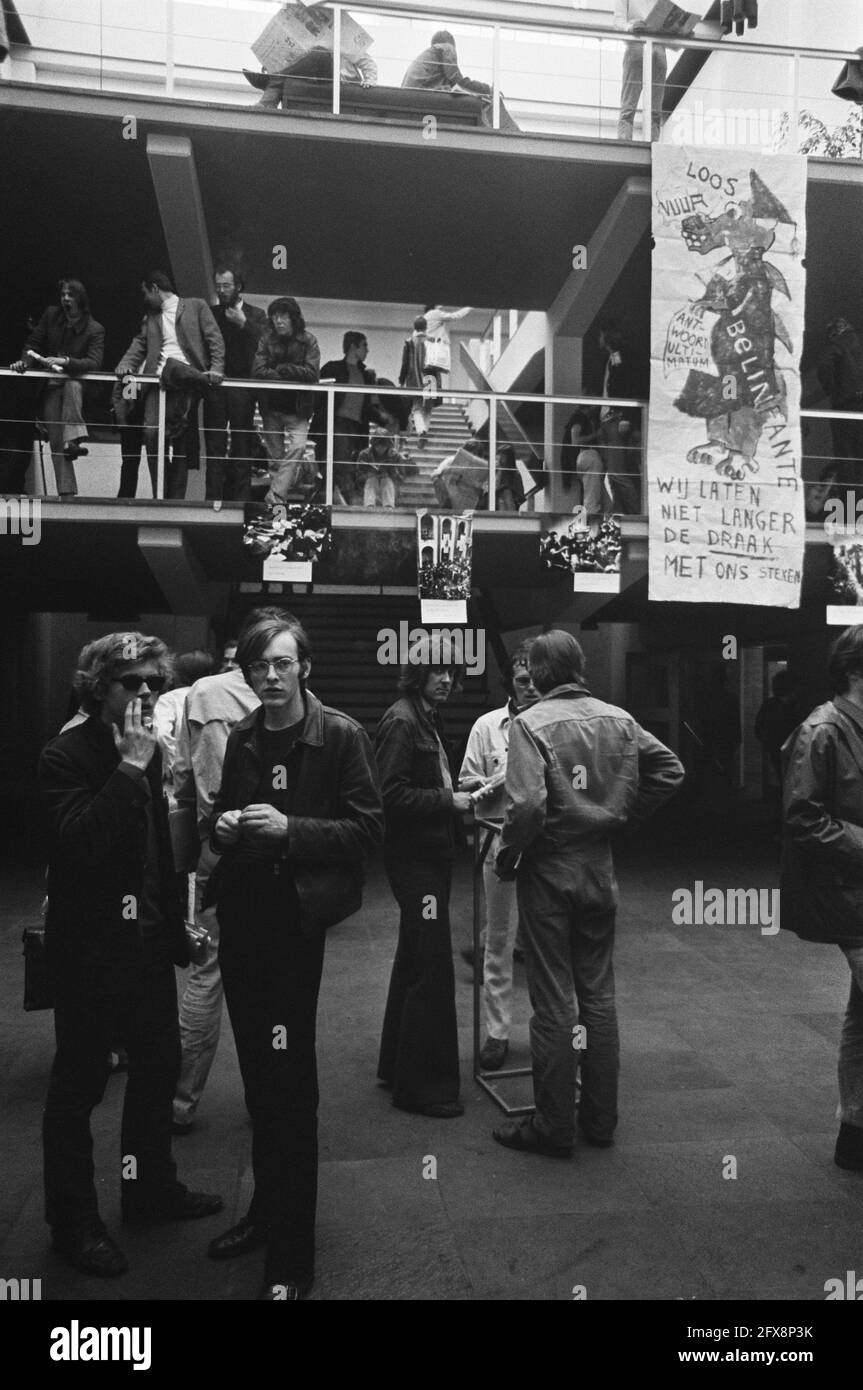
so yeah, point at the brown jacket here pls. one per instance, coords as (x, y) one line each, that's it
(197, 333)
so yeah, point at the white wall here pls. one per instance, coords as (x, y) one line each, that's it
(386, 327)
(761, 85)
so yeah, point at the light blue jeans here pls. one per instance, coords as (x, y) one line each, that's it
(851, 1044)
(567, 929)
(200, 1006)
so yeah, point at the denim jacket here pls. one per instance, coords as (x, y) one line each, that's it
(822, 855)
(579, 769)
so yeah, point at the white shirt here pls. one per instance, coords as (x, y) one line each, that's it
(629, 12)
(437, 320)
(485, 757)
(170, 345)
(167, 714)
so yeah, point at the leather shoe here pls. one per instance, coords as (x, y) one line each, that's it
(493, 1054)
(594, 1140)
(239, 1240)
(92, 1251)
(290, 1291)
(849, 1148)
(446, 1110)
(527, 1139)
(180, 1205)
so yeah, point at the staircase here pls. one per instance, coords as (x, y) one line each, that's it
(448, 430)
(343, 629)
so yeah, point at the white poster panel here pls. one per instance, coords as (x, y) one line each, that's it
(725, 491)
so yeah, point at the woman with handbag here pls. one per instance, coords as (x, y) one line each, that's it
(438, 347)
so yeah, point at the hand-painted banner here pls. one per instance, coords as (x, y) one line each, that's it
(725, 493)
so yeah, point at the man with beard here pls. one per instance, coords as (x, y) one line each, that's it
(229, 415)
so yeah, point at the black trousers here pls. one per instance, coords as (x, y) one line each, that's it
(419, 1046)
(146, 1025)
(232, 444)
(272, 973)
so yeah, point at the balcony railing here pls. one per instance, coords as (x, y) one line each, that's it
(553, 77)
(610, 477)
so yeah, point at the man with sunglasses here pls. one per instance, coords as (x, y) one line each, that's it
(114, 932)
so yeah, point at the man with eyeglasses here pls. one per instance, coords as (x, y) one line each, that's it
(114, 932)
(297, 812)
(483, 775)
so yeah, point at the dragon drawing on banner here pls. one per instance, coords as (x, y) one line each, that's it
(747, 390)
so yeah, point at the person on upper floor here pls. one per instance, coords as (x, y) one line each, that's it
(67, 341)
(287, 352)
(437, 69)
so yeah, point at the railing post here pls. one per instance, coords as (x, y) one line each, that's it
(492, 453)
(169, 49)
(337, 59)
(160, 446)
(331, 437)
(495, 78)
(647, 89)
(794, 114)
(642, 472)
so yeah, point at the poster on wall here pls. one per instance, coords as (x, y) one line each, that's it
(844, 597)
(444, 560)
(588, 548)
(725, 491)
(289, 538)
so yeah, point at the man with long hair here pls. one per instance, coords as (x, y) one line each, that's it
(68, 341)
(419, 1045)
(287, 352)
(113, 932)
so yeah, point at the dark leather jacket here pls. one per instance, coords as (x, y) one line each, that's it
(822, 853)
(418, 807)
(98, 840)
(83, 343)
(297, 358)
(337, 818)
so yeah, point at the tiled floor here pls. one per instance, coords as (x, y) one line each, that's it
(728, 1053)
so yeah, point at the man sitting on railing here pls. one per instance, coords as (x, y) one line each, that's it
(67, 340)
(317, 63)
(178, 341)
(437, 69)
